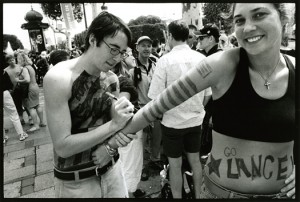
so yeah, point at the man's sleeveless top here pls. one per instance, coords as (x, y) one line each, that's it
(242, 113)
(89, 108)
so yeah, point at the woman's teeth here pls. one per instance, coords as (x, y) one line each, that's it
(253, 39)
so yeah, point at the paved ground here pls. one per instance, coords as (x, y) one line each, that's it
(28, 165)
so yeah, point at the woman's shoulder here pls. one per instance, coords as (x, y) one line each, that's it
(224, 60)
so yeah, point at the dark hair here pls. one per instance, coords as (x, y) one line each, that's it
(57, 56)
(155, 43)
(179, 30)
(106, 24)
(280, 7)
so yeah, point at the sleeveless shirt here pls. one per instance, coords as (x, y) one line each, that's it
(242, 113)
(89, 108)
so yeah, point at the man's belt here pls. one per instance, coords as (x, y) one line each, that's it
(78, 175)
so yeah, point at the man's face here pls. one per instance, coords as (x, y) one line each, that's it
(144, 48)
(108, 53)
(191, 40)
(11, 61)
(204, 41)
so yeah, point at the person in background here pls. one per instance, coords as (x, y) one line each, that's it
(208, 37)
(57, 56)
(155, 48)
(142, 76)
(14, 71)
(223, 42)
(253, 90)
(132, 154)
(31, 101)
(8, 102)
(42, 67)
(233, 41)
(285, 47)
(181, 126)
(192, 40)
(82, 117)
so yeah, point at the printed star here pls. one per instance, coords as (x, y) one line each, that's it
(214, 165)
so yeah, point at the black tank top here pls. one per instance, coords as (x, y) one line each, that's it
(242, 113)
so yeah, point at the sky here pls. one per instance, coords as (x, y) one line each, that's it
(14, 13)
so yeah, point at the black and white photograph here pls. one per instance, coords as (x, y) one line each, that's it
(160, 100)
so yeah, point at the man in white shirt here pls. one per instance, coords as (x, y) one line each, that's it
(181, 126)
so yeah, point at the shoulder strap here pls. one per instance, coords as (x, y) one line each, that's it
(21, 71)
(288, 61)
(291, 67)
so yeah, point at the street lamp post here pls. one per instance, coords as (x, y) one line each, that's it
(84, 16)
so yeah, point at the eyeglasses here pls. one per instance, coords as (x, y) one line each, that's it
(115, 51)
(202, 37)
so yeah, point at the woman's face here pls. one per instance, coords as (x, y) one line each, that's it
(130, 60)
(257, 27)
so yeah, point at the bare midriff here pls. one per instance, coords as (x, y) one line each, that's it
(248, 166)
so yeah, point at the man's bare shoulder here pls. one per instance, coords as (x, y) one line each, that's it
(59, 78)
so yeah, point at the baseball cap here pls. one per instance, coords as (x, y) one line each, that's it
(143, 38)
(210, 30)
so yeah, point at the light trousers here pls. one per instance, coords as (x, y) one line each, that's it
(10, 108)
(132, 159)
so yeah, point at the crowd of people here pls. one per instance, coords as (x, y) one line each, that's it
(227, 102)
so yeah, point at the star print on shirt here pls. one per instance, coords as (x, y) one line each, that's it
(214, 165)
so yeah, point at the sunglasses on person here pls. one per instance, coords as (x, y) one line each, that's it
(202, 37)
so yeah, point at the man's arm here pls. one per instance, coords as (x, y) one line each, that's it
(57, 88)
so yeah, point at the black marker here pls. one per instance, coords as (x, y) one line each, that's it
(115, 98)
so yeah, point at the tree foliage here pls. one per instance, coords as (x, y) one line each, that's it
(154, 31)
(150, 19)
(213, 12)
(13, 40)
(150, 25)
(53, 11)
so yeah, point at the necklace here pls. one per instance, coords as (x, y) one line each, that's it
(267, 83)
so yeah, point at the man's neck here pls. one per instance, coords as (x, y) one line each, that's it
(208, 48)
(144, 61)
(178, 43)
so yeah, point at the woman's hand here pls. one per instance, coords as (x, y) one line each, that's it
(122, 111)
(123, 140)
(289, 189)
(100, 156)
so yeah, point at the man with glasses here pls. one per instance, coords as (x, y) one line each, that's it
(82, 117)
(208, 38)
